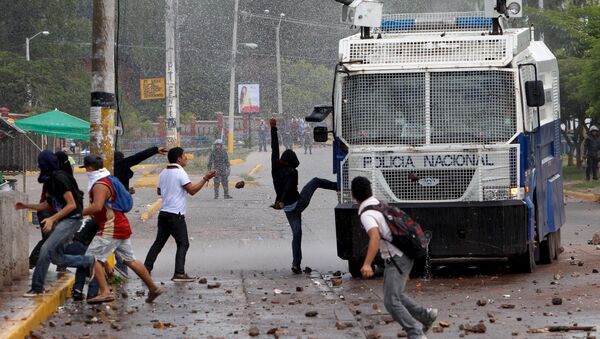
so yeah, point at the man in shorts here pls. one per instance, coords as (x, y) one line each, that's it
(114, 234)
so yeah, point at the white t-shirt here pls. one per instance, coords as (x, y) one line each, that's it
(171, 182)
(371, 219)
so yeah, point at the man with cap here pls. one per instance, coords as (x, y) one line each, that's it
(64, 196)
(591, 152)
(219, 160)
(115, 231)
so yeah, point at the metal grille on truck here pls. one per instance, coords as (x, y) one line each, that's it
(429, 108)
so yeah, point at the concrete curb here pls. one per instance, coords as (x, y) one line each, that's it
(593, 197)
(29, 318)
(151, 210)
(256, 169)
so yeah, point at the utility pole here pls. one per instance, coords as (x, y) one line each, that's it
(102, 112)
(172, 78)
(232, 78)
(278, 52)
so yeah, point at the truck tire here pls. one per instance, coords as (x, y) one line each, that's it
(524, 263)
(354, 266)
(548, 249)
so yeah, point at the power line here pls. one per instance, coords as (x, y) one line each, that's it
(294, 21)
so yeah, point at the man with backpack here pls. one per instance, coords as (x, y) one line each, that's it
(109, 201)
(415, 319)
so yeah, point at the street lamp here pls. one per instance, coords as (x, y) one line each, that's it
(27, 57)
(27, 40)
(234, 47)
(278, 56)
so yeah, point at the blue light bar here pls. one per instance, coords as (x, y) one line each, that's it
(473, 22)
(398, 25)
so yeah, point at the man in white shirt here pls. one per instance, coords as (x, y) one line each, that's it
(415, 319)
(174, 185)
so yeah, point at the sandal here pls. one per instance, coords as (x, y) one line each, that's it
(153, 295)
(100, 299)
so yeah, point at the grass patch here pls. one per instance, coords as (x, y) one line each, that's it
(574, 178)
(573, 173)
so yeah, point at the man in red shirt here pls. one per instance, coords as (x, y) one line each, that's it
(114, 233)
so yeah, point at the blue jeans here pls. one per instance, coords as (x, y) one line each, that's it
(53, 251)
(294, 216)
(78, 248)
(402, 308)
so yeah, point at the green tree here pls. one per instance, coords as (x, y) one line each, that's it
(305, 85)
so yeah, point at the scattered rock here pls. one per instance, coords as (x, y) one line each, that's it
(230, 314)
(481, 302)
(337, 281)
(514, 334)
(240, 184)
(444, 324)
(507, 306)
(124, 294)
(307, 270)
(202, 281)
(140, 293)
(343, 325)
(68, 323)
(519, 318)
(557, 301)
(228, 291)
(272, 331)
(594, 270)
(253, 331)
(311, 314)
(115, 326)
(337, 274)
(580, 263)
(477, 328)
(299, 289)
(51, 323)
(596, 239)
(557, 276)
(538, 290)
(160, 325)
(213, 285)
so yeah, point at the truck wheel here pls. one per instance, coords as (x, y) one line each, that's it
(548, 249)
(557, 244)
(524, 263)
(354, 266)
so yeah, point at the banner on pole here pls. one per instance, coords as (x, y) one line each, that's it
(152, 88)
(249, 98)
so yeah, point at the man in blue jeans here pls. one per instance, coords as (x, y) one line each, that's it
(285, 181)
(63, 194)
(415, 319)
(81, 241)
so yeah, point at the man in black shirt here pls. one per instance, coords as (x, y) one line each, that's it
(124, 164)
(63, 194)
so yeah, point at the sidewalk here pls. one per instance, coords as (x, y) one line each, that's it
(20, 315)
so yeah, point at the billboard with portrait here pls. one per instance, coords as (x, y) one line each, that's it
(248, 98)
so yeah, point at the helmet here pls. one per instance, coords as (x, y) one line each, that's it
(593, 128)
(218, 142)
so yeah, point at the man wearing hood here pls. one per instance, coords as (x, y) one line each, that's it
(62, 194)
(219, 160)
(591, 151)
(124, 164)
(285, 181)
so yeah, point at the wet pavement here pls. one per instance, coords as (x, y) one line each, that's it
(244, 246)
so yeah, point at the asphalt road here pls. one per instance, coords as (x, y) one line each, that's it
(245, 246)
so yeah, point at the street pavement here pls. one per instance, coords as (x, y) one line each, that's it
(242, 248)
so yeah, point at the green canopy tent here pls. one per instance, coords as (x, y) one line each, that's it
(57, 124)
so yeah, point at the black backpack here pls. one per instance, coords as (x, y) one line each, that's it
(407, 234)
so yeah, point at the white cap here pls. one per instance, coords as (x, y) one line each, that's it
(593, 128)
(218, 142)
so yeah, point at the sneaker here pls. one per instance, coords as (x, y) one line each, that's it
(296, 269)
(432, 314)
(183, 278)
(32, 294)
(77, 295)
(228, 197)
